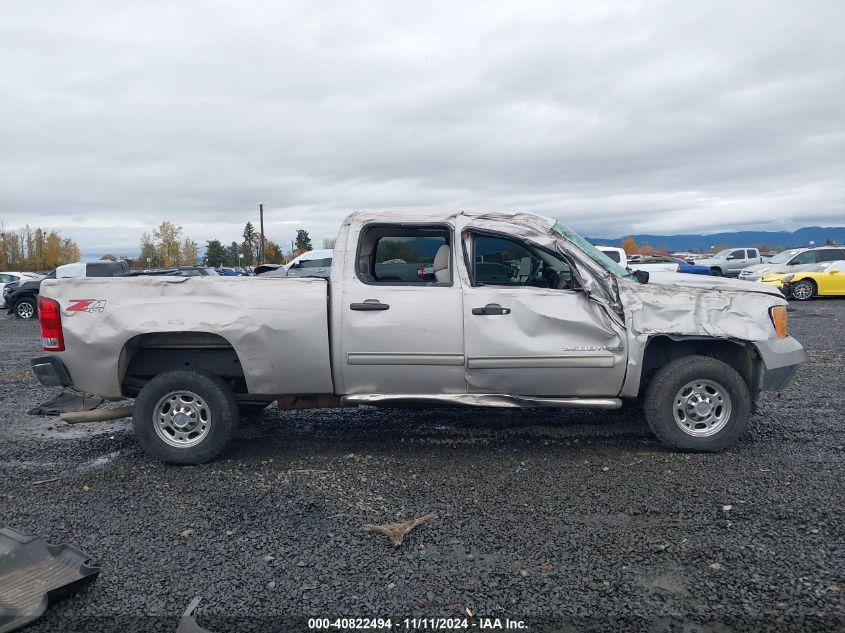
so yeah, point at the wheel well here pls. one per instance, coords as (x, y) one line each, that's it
(810, 281)
(147, 355)
(739, 355)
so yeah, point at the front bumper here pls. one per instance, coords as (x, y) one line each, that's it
(50, 371)
(781, 358)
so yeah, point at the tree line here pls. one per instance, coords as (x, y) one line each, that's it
(167, 246)
(41, 250)
(35, 250)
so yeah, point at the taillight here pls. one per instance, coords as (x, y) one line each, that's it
(50, 316)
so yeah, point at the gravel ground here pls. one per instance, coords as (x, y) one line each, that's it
(602, 529)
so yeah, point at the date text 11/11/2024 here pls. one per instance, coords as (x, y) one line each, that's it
(416, 623)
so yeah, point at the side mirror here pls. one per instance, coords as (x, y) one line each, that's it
(641, 276)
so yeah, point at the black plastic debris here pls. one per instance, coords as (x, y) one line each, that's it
(66, 402)
(34, 573)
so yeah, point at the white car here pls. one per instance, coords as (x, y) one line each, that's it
(17, 277)
(648, 264)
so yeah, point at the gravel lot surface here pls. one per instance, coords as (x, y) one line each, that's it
(601, 529)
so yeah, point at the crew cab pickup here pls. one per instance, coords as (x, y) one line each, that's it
(479, 309)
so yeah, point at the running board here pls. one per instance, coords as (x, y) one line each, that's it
(482, 400)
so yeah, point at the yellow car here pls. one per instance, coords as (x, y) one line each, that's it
(823, 280)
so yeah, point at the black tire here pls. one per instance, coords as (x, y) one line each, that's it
(214, 395)
(26, 308)
(252, 408)
(666, 386)
(716, 272)
(803, 290)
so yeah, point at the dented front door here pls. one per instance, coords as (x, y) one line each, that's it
(526, 340)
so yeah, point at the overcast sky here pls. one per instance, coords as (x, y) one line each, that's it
(614, 118)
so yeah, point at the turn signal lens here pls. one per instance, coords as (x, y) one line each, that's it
(778, 314)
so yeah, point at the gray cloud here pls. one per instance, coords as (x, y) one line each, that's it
(614, 118)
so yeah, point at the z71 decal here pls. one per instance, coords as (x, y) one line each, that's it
(86, 305)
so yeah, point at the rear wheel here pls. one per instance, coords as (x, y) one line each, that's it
(185, 417)
(25, 308)
(803, 290)
(697, 403)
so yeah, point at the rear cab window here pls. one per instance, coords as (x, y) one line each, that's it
(405, 255)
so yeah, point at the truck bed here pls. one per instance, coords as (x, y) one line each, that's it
(278, 327)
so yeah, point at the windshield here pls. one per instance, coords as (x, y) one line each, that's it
(723, 254)
(782, 258)
(592, 252)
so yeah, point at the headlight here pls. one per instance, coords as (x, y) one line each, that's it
(788, 278)
(778, 316)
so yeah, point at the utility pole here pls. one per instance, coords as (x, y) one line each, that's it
(261, 246)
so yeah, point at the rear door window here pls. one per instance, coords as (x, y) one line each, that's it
(403, 255)
(807, 257)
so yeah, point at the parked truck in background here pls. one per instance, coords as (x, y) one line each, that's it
(478, 309)
(729, 262)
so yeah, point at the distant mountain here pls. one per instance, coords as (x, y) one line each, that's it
(772, 239)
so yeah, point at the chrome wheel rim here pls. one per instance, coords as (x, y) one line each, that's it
(702, 408)
(182, 419)
(25, 310)
(802, 290)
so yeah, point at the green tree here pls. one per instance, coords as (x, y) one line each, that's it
(232, 254)
(303, 241)
(215, 253)
(249, 247)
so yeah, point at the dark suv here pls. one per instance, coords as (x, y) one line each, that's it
(23, 300)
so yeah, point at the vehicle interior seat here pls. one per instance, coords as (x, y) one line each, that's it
(441, 265)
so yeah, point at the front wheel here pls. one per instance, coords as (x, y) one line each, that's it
(697, 403)
(185, 417)
(803, 290)
(25, 308)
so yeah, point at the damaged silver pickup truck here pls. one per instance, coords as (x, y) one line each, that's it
(482, 309)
